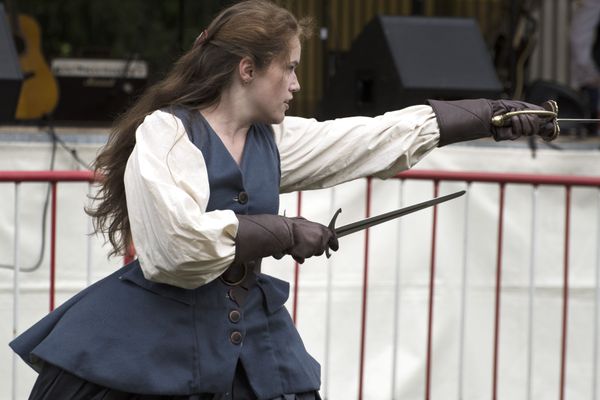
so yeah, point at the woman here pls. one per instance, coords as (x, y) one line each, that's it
(192, 177)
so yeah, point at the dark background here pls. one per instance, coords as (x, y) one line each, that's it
(152, 30)
(159, 31)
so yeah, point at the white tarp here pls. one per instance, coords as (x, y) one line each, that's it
(399, 253)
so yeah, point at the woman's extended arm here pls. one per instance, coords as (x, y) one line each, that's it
(321, 154)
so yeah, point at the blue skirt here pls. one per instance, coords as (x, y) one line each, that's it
(136, 336)
(54, 383)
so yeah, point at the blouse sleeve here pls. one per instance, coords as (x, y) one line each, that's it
(321, 154)
(177, 242)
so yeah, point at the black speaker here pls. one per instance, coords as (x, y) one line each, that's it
(10, 71)
(399, 61)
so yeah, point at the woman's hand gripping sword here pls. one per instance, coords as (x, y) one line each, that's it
(551, 113)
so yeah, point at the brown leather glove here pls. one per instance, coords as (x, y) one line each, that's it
(463, 120)
(265, 235)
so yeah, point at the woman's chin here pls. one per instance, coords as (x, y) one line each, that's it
(276, 119)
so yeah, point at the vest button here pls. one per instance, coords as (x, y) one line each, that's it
(235, 316)
(242, 197)
(230, 295)
(236, 337)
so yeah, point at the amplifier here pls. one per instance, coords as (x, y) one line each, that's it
(95, 91)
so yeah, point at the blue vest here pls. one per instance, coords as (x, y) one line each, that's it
(134, 335)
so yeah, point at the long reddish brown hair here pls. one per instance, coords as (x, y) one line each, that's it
(257, 29)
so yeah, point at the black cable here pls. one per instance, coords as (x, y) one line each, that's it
(38, 263)
(73, 152)
(55, 141)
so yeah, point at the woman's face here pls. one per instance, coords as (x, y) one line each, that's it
(272, 89)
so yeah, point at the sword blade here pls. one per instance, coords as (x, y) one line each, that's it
(376, 220)
(578, 120)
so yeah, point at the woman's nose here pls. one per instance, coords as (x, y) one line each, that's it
(295, 86)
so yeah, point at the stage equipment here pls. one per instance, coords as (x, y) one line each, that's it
(11, 77)
(399, 61)
(96, 91)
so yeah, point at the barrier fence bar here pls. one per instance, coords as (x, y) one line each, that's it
(53, 246)
(397, 283)
(47, 176)
(496, 177)
(436, 185)
(530, 327)
(463, 297)
(563, 351)
(328, 303)
(498, 290)
(16, 288)
(363, 319)
(596, 305)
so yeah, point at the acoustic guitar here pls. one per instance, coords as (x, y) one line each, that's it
(39, 90)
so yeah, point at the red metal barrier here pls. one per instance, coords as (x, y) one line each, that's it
(502, 179)
(563, 342)
(531, 179)
(498, 291)
(363, 317)
(47, 176)
(490, 177)
(52, 177)
(436, 187)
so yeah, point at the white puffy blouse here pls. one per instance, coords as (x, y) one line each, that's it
(177, 242)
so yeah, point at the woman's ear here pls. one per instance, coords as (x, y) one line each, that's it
(247, 70)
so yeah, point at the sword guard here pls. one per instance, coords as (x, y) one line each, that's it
(552, 105)
(332, 227)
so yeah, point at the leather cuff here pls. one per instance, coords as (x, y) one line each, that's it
(462, 120)
(261, 235)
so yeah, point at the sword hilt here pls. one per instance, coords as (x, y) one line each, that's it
(332, 227)
(500, 120)
(551, 111)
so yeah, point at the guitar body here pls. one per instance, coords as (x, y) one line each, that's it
(39, 91)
